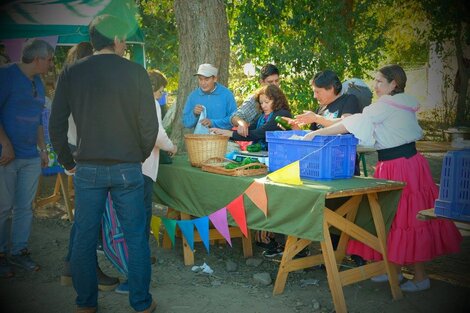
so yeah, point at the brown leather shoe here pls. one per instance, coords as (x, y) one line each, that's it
(150, 309)
(85, 310)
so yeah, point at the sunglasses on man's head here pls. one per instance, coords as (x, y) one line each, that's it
(35, 90)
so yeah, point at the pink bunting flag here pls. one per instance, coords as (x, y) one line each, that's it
(219, 220)
(237, 210)
(257, 193)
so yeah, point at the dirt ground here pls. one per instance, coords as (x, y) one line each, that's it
(177, 289)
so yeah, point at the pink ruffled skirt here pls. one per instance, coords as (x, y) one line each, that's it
(411, 240)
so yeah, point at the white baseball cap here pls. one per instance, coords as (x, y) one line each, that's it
(207, 70)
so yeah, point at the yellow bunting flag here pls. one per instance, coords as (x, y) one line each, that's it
(289, 174)
(257, 193)
(155, 224)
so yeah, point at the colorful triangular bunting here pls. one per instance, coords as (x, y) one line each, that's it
(170, 227)
(155, 224)
(187, 229)
(237, 210)
(219, 220)
(202, 226)
(257, 193)
(289, 174)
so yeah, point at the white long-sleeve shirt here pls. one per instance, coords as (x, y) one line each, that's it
(387, 123)
(150, 165)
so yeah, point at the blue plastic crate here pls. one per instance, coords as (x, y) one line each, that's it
(454, 190)
(52, 170)
(324, 158)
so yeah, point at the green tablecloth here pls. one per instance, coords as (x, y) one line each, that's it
(292, 210)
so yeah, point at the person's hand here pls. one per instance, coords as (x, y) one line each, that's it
(242, 128)
(8, 154)
(173, 151)
(206, 122)
(308, 117)
(223, 132)
(44, 158)
(71, 171)
(309, 136)
(198, 109)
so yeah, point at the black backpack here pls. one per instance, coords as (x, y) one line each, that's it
(362, 93)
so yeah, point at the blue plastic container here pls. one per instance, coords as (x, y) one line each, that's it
(52, 170)
(324, 158)
(454, 191)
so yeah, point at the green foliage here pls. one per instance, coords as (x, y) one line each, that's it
(303, 37)
(157, 20)
(406, 31)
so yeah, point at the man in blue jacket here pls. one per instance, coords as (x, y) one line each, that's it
(218, 101)
(22, 150)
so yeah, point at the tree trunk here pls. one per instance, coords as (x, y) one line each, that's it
(203, 38)
(463, 111)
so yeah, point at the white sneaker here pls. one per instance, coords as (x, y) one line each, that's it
(411, 286)
(384, 278)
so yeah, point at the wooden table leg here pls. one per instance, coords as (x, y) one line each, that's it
(288, 264)
(362, 156)
(65, 193)
(247, 245)
(188, 254)
(381, 234)
(334, 281)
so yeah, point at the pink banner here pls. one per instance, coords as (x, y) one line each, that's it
(219, 220)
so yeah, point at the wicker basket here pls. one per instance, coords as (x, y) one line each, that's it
(203, 147)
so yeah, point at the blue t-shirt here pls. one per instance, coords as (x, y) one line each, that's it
(21, 104)
(220, 104)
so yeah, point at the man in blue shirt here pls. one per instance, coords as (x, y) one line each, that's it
(22, 150)
(217, 100)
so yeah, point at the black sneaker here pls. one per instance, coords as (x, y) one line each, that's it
(24, 260)
(358, 260)
(275, 250)
(268, 245)
(302, 253)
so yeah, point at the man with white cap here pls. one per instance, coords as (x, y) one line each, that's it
(218, 101)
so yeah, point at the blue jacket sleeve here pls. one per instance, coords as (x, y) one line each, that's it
(189, 119)
(231, 106)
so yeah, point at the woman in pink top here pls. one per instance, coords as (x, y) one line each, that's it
(390, 124)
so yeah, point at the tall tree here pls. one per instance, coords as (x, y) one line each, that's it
(450, 21)
(203, 38)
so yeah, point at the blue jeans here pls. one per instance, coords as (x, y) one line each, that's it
(125, 183)
(148, 195)
(72, 235)
(18, 185)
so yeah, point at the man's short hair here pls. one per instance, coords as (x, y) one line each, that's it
(327, 79)
(268, 70)
(104, 28)
(36, 48)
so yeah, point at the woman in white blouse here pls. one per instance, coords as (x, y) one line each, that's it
(150, 165)
(390, 124)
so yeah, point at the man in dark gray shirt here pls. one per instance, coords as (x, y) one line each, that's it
(111, 101)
